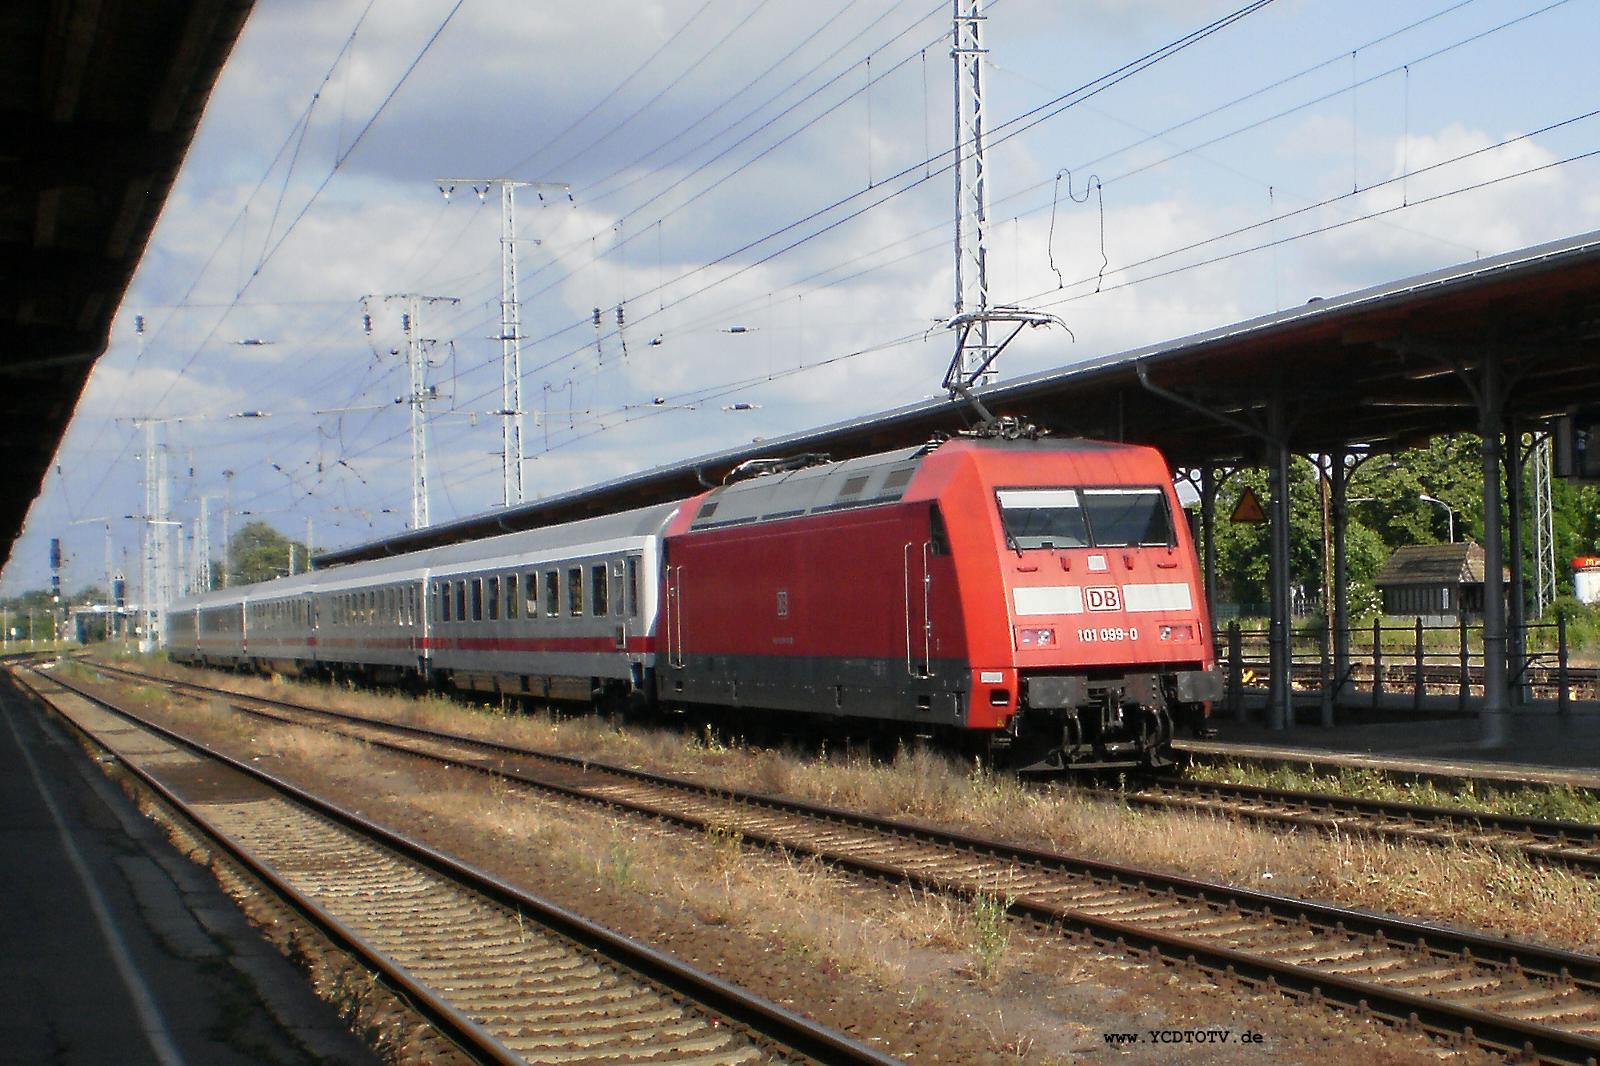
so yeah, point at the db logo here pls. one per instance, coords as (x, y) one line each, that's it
(1108, 598)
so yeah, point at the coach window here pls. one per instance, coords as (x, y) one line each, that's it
(513, 598)
(477, 599)
(552, 593)
(461, 601)
(575, 590)
(441, 593)
(492, 592)
(530, 594)
(597, 588)
(633, 587)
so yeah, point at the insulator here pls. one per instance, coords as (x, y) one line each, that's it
(366, 324)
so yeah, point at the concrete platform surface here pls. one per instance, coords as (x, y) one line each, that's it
(116, 949)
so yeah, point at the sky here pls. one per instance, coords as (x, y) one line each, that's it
(759, 193)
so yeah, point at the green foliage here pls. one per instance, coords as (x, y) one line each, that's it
(991, 933)
(1386, 512)
(261, 553)
(1583, 625)
(35, 608)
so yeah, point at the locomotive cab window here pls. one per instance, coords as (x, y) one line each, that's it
(1127, 518)
(1043, 518)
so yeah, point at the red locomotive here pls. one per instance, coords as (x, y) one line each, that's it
(1036, 598)
(1038, 594)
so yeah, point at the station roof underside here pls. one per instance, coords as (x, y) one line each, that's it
(1380, 368)
(100, 102)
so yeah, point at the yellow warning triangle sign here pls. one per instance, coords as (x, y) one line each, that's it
(1248, 508)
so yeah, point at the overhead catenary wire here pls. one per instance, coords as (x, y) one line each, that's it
(1034, 116)
(339, 162)
(724, 389)
(658, 236)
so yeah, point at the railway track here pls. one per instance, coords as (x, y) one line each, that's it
(506, 976)
(1557, 843)
(1510, 996)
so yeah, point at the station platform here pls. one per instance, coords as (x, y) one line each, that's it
(115, 948)
(1534, 746)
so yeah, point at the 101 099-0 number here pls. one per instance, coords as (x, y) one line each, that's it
(1108, 634)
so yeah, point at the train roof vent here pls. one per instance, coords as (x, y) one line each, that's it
(897, 479)
(854, 485)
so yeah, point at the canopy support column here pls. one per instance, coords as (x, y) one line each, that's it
(1491, 419)
(1280, 710)
(1517, 636)
(1339, 508)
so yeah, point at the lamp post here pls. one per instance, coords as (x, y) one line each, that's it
(1451, 511)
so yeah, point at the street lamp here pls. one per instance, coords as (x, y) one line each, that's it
(1424, 497)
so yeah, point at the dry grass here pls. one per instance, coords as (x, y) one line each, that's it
(1463, 886)
(1561, 802)
(798, 905)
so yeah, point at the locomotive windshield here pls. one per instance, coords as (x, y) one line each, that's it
(1122, 518)
(1043, 518)
(1082, 518)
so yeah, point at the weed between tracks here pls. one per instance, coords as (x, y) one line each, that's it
(1562, 802)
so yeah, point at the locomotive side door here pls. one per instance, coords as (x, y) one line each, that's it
(918, 573)
(672, 623)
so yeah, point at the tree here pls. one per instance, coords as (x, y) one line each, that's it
(36, 608)
(1387, 512)
(261, 553)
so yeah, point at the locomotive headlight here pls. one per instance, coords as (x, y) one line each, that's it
(1180, 631)
(1036, 638)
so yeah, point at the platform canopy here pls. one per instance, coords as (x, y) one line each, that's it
(99, 102)
(1383, 368)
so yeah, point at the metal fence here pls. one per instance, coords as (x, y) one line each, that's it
(1389, 662)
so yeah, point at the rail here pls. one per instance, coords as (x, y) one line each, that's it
(1487, 989)
(721, 999)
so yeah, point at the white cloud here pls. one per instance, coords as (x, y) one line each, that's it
(503, 81)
